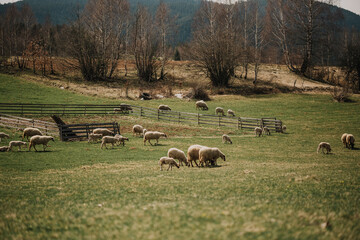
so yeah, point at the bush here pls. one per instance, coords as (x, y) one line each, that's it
(198, 92)
(341, 94)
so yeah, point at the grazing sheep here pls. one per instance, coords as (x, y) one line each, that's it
(343, 139)
(94, 137)
(103, 132)
(283, 128)
(350, 141)
(121, 139)
(167, 160)
(201, 105)
(3, 135)
(137, 129)
(207, 155)
(144, 131)
(153, 135)
(266, 130)
(16, 144)
(4, 148)
(37, 140)
(29, 132)
(177, 154)
(219, 110)
(164, 107)
(109, 139)
(258, 131)
(193, 154)
(226, 138)
(230, 113)
(322, 146)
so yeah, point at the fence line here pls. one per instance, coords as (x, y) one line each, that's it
(116, 109)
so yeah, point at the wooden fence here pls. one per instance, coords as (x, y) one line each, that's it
(171, 116)
(82, 131)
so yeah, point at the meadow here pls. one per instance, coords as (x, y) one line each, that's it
(272, 187)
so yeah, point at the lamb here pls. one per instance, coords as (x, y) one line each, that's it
(121, 139)
(4, 148)
(343, 139)
(94, 137)
(258, 131)
(201, 105)
(37, 140)
(164, 107)
(193, 154)
(168, 160)
(350, 141)
(226, 138)
(177, 154)
(137, 129)
(153, 135)
(103, 132)
(324, 145)
(109, 139)
(230, 113)
(29, 132)
(207, 155)
(266, 130)
(16, 144)
(219, 110)
(3, 135)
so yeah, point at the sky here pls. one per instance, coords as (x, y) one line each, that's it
(351, 5)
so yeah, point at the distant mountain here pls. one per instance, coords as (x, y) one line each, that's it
(61, 11)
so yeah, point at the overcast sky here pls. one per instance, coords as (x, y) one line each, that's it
(352, 5)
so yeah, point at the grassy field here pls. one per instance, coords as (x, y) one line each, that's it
(273, 187)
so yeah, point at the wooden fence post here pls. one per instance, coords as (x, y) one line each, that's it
(158, 114)
(179, 117)
(61, 133)
(87, 131)
(198, 118)
(219, 121)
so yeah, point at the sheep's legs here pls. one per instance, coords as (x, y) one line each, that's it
(195, 163)
(169, 167)
(150, 142)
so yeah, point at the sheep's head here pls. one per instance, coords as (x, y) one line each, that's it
(24, 143)
(51, 138)
(164, 135)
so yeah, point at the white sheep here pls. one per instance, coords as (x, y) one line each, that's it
(109, 139)
(201, 105)
(122, 139)
(164, 107)
(16, 144)
(230, 113)
(144, 131)
(153, 135)
(3, 135)
(258, 131)
(37, 140)
(4, 148)
(193, 154)
(343, 139)
(30, 131)
(322, 146)
(210, 155)
(266, 130)
(167, 160)
(137, 129)
(219, 110)
(94, 137)
(103, 132)
(350, 141)
(226, 138)
(283, 128)
(177, 154)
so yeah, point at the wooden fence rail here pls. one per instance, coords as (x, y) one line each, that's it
(170, 116)
(82, 131)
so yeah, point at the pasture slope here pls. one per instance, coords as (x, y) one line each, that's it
(272, 187)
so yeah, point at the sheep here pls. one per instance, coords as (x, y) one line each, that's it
(266, 130)
(29, 132)
(37, 140)
(177, 154)
(193, 154)
(137, 129)
(207, 155)
(108, 139)
(121, 139)
(258, 131)
(4, 148)
(164, 107)
(201, 105)
(343, 139)
(283, 128)
(94, 137)
(226, 138)
(3, 135)
(350, 141)
(167, 160)
(103, 132)
(230, 113)
(144, 131)
(124, 108)
(16, 144)
(153, 135)
(219, 110)
(324, 145)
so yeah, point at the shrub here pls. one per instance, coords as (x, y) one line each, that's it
(341, 94)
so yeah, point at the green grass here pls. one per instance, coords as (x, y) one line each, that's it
(273, 187)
